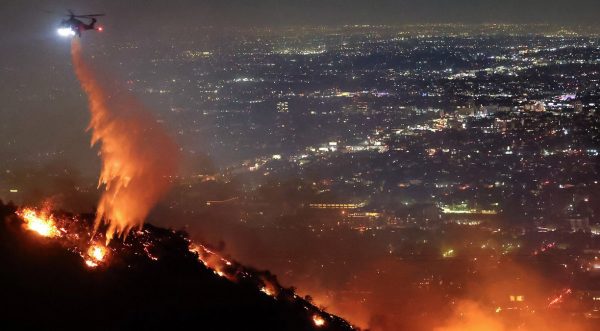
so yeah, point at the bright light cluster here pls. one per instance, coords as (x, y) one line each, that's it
(65, 32)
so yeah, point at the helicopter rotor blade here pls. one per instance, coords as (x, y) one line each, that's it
(89, 15)
(72, 14)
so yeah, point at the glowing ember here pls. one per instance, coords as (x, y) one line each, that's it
(41, 223)
(91, 263)
(318, 320)
(269, 288)
(150, 255)
(267, 291)
(209, 258)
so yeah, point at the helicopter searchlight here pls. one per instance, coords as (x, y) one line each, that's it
(65, 32)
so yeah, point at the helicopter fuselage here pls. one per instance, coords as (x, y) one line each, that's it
(76, 26)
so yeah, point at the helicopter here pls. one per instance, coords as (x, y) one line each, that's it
(73, 26)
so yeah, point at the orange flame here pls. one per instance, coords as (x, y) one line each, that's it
(318, 320)
(138, 157)
(39, 222)
(211, 260)
(96, 254)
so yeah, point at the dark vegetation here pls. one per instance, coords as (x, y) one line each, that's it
(46, 286)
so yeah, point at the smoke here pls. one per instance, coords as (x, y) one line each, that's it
(373, 289)
(56, 183)
(495, 285)
(138, 157)
(470, 316)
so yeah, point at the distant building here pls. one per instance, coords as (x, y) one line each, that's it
(580, 223)
(282, 107)
(536, 106)
(335, 205)
(578, 106)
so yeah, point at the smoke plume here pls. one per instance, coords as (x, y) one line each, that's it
(138, 157)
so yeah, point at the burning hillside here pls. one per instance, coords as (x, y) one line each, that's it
(63, 276)
(66, 271)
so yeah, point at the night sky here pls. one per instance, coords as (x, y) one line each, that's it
(41, 98)
(28, 16)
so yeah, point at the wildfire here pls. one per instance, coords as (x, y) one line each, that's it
(39, 222)
(76, 236)
(47, 225)
(219, 265)
(267, 291)
(96, 254)
(318, 320)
